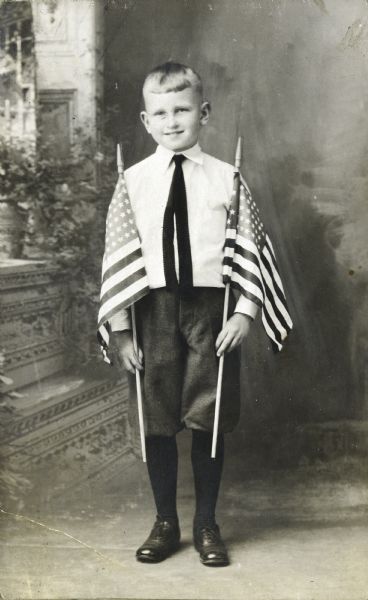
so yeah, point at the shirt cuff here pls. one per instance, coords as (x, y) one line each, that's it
(246, 307)
(121, 321)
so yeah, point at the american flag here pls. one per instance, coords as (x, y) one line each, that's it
(124, 279)
(250, 263)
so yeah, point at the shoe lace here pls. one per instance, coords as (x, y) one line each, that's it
(160, 527)
(210, 535)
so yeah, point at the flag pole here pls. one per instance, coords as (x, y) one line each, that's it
(224, 320)
(219, 377)
(120, 164)
(139, 388)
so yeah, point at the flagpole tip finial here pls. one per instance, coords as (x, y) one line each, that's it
(119, 159)
(238, 153)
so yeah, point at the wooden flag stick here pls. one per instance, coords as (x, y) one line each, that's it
(219, 377)
(238, 154)
(139, 388)
(120, 164)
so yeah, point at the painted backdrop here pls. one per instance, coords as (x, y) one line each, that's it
(291, 77)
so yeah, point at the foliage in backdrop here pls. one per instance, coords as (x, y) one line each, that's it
(63, 204)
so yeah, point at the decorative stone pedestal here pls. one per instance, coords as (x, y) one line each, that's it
(62, 419)
(34, 305)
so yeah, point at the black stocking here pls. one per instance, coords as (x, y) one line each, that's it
(207, 473)
(162, 464)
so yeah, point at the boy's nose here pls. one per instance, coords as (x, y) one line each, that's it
(172, 121)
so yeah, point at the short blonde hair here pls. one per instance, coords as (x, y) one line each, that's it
(172, 77)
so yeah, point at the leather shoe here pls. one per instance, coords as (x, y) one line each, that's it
(162, 541)
(211, 548)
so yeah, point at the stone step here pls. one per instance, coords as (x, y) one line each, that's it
(63, 413)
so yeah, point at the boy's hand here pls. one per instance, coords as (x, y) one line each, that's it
(235, 330)
(122, 345)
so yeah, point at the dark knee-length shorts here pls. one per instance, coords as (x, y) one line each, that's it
(177, 335)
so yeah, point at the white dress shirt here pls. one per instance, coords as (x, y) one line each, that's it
(209, 184)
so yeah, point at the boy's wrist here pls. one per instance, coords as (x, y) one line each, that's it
(246, 317)
(120, 337)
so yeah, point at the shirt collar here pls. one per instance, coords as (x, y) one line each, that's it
(164, 155)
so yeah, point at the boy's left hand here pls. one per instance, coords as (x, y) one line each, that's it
(235, 330)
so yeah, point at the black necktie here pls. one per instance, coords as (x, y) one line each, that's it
(177, 205)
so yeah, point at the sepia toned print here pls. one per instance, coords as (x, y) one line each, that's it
(75, 500)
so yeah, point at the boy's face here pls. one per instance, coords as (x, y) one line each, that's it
(174, 119)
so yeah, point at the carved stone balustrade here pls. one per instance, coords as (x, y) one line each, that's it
(34, 305)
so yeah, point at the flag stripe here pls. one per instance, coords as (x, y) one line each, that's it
(267, 311)
(124, 279)
(229, 251)
(249, 264)
(230, 241)
(239, 286)
(128, 281)
(134, 298)
(273, 313)
(250, 281)
(247, 284)
(104, 334)
(272, 270)
(125, 250)
(122, 299)
(272, 252)
(130, 268)
(247, 244)
(270, 332)
(277, 306)
(121, 264)
(276, 292)
(247, 254)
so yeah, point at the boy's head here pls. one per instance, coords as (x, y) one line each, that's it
(174, 107)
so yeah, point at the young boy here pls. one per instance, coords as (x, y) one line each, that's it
(180, 197)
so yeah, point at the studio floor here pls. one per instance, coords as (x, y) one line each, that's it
(297, 534)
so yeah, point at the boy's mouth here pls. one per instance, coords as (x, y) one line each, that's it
(174, 132)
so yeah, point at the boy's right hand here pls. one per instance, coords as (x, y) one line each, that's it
(123, 348)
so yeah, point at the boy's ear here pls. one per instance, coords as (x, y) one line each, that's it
(145, 120)
(205, 112)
